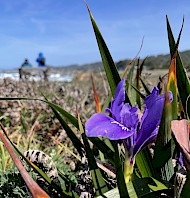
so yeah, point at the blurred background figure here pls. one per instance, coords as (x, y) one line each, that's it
(41, 60)
(26, 63)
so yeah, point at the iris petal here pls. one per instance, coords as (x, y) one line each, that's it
(151, 118)
(102, 125)
(140, 145)
(129, 116)
(118, 100)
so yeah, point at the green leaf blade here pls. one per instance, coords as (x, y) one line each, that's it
(183, 83)
(108, 63)
(98, 181)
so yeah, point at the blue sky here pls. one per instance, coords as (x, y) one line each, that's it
(61, 29)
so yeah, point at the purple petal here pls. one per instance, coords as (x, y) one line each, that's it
(180, 159)
(152, 97)
(102, 125)
(118, 100)
(140, 145)
(154, 104)
(151, 118)
(129, 116)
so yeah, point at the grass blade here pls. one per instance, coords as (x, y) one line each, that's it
(164, 141)
(98, 181)
(182, 78)
(96, 98)
(108, 63)
(77, 143)
(31, 164)
(75, 140)
(35, 190)
(97, 177)
(170, 112)
(172, 86)
(108, 153)
(138, 75)
(64, 113)
(129, 82)
(100, 144)
(138, 92)
(119, 172)
(145, 87)
(144, 163)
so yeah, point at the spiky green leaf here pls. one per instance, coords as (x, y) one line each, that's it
(183, 83)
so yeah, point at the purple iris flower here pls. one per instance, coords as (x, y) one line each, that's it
(123, 121)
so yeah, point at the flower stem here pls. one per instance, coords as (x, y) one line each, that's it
(128, 169)
(119, 172)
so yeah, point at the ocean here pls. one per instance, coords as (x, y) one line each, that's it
(51, 77)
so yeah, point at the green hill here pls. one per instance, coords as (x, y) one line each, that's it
(152, 62)
(159, 61)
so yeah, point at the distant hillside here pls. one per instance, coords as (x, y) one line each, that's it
(151, 62)
(163, 61)
(159, 61)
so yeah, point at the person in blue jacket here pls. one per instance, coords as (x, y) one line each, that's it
(26, 63)
(41, 60)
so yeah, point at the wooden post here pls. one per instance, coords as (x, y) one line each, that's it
(20, 73)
